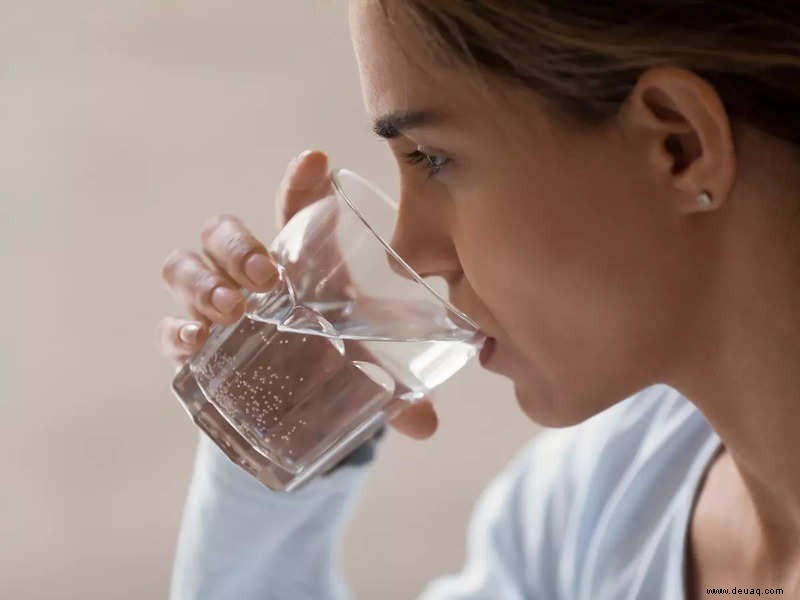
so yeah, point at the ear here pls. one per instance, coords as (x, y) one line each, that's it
(679, 122)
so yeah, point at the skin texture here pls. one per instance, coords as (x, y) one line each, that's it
(584, 252)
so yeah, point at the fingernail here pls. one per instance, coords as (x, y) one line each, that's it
(259, 268)
(224, 299)
(189, 333)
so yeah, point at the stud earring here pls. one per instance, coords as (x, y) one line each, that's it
(704, 199)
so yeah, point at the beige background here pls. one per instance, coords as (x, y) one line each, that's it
(123, 126)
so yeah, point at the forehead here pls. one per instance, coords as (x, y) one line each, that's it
(397, 73)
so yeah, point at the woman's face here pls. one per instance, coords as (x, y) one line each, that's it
(554, 239)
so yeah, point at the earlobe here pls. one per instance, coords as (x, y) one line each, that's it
(686, 133)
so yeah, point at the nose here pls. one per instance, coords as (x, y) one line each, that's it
(422, 238)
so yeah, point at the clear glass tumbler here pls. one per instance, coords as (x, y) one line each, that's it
(348, 336)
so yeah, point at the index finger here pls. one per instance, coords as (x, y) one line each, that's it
(236, 252)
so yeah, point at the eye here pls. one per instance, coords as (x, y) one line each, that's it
(432, 162)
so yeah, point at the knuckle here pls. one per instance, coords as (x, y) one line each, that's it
(213, 223)
(237, 246)
(228, 218)
(208, 227)
(170, 264)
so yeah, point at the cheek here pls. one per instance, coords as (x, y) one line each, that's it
(564, 283)
(522, 253)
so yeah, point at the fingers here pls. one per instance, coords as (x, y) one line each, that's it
(306, 180)
(418, 421)
(235, 251)
(209, 292)
(211, 289)
(179, 339)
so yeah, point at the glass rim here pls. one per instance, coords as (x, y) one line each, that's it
(391, 202)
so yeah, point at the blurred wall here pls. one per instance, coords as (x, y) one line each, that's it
(123, 126)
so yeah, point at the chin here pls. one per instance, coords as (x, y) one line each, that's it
(549, 411)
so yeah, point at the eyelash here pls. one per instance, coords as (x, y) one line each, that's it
(417, 157)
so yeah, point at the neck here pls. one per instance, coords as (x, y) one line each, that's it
(756, 413)
(742, 370)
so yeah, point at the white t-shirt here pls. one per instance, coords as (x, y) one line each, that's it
(597, 511)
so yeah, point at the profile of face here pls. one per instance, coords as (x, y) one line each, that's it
(574, 247)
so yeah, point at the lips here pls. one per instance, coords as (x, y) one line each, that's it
(489, 343)
(487, 350)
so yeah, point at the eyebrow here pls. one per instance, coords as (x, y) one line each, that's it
(393, 124)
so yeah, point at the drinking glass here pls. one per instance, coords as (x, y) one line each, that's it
(348, 336)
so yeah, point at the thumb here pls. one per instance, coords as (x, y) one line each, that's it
(305, 181)
(418, 421)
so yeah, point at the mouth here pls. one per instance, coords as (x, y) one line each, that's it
(489, 344)
(487, 350)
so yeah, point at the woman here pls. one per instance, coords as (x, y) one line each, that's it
(612, 190)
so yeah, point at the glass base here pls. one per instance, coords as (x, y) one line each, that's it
(208, 418)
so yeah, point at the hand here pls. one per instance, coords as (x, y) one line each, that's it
(209, 290)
